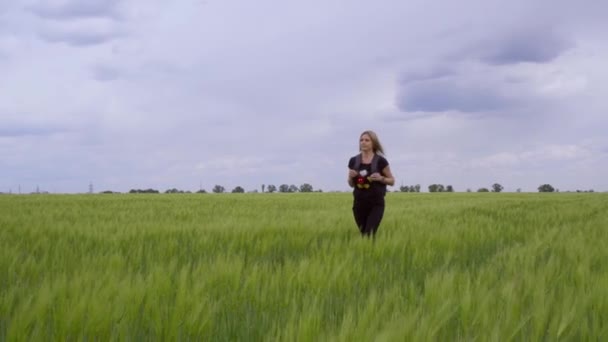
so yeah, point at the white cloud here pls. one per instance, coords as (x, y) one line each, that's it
(237, 163)
(537, 157)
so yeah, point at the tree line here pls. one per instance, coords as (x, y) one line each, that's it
(496, 187)
(218, 189)
(306, 187)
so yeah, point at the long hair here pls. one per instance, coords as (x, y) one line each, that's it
(376, 145)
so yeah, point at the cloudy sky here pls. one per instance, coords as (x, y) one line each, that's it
(181, 94)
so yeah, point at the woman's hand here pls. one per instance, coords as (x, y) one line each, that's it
(352, 173)
(376, 177)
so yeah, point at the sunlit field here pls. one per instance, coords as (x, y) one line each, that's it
(293, 267)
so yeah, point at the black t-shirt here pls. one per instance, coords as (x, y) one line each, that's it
(364, 189)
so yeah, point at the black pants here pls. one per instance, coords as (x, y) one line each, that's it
(368, 217)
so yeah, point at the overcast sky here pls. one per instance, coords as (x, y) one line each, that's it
(137, 94)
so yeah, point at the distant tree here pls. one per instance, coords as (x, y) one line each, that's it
(436, 188)
(283, 188)
(449, 189)
(518, 190)
(107, 192)
(263, 187)
(306, 187)
(218, 189)
(546, 188)
(483, 190)
(202, 191)
(238, 190)
(410, 188)
(497, 187)
(147, 191)
(469, 190)
(272, 188)
(174, 191)
(292, 188)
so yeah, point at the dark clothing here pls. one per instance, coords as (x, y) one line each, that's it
(368, 197)
(368, 217)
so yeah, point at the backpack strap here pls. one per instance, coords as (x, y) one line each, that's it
(357, 162)
(375, 163)
(375, 160)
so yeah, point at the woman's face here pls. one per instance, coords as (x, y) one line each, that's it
(365, 143)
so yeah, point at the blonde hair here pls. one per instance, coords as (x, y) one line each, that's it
(376, 145)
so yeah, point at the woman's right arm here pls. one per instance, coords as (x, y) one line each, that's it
(351, 174)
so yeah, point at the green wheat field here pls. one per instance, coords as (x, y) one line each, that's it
(293, 267)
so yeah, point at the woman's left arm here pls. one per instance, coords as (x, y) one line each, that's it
(387, 176)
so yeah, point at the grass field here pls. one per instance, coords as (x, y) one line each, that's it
(287, 267)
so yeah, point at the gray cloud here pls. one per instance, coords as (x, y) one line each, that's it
(485, 77)
(450, 95)
(534, 46)
(77, 9)
(433, 74)
(8, 45)
(20, 130)
(4, 25)
(5, 6)
(81, 32)
(79, 38)
(104, 73)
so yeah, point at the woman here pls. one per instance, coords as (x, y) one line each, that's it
(369, 174)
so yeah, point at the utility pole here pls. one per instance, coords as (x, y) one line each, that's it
(90, 187)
